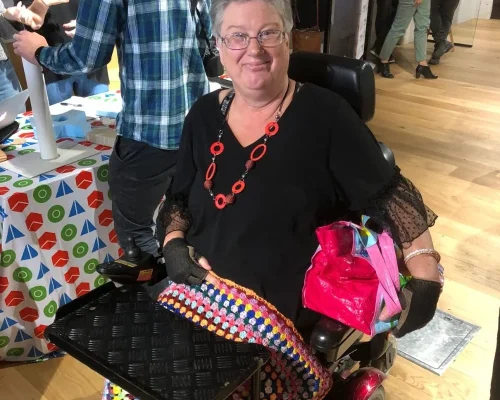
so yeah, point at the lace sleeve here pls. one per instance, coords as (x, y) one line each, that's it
(401, 207)
(173, 215)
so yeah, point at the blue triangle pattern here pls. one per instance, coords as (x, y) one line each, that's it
(76, 209)
(104, 157)
(65, 299)
(53, 285)
(108, 258)
(87, 228)
(3, 214)
(2, 169)
(7, 323)
(34, 352)
(45, 177)
(29, 253)
(13, 233)
(20, 176)
(42, 271)
(22, 336)
(63, 190)
(27, 144)
(98, 245)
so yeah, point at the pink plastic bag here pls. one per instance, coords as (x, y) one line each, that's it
(353, 272)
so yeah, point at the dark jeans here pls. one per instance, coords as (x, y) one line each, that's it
(139, 176)
(386, 12)
(442, 12)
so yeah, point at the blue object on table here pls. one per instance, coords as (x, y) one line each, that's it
(71, 124)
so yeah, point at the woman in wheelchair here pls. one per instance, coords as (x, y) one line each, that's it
(260, 168)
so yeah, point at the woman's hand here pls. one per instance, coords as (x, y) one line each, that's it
(420, 296)
(418, 2)
(183, 263)
(70, 28)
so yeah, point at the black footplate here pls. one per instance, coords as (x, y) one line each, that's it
(149, 351)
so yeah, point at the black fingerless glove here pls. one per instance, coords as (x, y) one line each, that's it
(181, 262)
(419, 300)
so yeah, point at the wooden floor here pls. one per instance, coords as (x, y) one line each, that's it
(446, 137)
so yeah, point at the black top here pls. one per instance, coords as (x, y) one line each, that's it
(315, 168)
(52, 30)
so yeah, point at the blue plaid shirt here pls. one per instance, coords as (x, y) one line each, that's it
(159, 46)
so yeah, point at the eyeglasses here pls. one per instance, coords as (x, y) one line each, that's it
(240, 41)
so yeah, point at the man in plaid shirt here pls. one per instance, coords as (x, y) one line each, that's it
(160, 52)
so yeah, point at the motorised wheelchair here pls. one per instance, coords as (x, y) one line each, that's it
(340, 348)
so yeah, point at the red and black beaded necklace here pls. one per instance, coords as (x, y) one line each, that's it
(258, 152)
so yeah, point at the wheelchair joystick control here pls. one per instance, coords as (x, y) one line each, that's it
(135, 266)
(132, 251)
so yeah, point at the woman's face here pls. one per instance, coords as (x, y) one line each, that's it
(254, 67)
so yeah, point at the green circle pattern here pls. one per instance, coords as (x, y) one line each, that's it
(8, 257)
(50, 309)
(9, 148)
(90, 266)
(25, 151)
(22, 275)
(27, 128)
(5, 178)
(38, 293)
(80, 250)
(42, 194)
(15, 352)
(103, 173)
(56, 214)
(69, 232)
(87, 163)
(23, 183)
(99, 281)
(4, 341)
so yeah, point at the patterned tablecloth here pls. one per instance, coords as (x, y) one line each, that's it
(55, 229)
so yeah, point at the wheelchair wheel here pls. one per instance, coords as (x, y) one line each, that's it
(379, 394)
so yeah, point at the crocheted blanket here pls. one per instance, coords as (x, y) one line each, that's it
(238, 314)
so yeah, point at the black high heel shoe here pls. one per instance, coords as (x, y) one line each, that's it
(385, 70)
(425, 70)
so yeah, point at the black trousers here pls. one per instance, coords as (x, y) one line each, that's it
(495, 379)
(386, 12)
(139, 176)
(442, 12)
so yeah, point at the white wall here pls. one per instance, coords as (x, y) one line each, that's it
(467, 10)
(486, 8)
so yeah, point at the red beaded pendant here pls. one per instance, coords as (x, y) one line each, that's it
(258, 152)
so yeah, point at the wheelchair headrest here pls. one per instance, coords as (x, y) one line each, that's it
(352, 79)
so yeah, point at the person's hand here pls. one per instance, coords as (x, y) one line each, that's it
(49, 3)
(418, 2)
(184, 264)
(23, 15)
(418, 300)
(70, 28)
(26, 43)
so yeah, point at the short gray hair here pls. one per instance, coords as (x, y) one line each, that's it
(282, 7)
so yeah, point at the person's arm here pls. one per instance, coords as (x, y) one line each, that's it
(371, 186)
(183, 263)
(98, 26)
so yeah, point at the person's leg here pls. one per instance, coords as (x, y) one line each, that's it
(436, 21)
(139, 176)
(88, 87)
(9, 84)
(60, 90)
(422, 20)
(404, 14)
(448, 8)
(383, 23)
